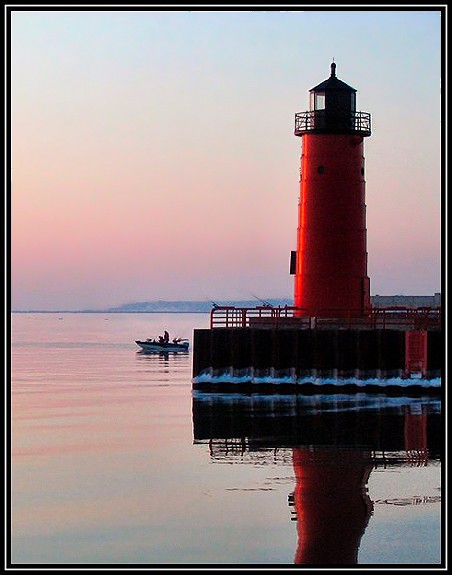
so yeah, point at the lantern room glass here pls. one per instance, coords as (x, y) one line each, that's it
(317, 100)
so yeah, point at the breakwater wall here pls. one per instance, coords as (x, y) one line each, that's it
(293, 354)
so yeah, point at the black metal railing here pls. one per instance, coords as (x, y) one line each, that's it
(399, 318)
(332, 121)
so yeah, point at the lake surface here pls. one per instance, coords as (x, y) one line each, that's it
(117, 462)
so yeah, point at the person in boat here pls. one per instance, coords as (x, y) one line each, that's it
(165, 337)
(161, 340)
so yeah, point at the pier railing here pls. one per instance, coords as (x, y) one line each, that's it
(231, 316)
(401, 318)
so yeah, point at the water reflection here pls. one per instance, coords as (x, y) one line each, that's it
(163, 361)
(163, 354)
(333, 442)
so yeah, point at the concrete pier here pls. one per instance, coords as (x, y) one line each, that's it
(288, 355)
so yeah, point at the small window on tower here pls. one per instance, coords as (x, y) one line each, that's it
(320, 101)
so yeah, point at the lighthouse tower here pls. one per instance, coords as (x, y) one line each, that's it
(330, 263)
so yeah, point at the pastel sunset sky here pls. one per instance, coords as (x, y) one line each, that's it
(153, 154)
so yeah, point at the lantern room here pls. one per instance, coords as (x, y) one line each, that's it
(333, 110)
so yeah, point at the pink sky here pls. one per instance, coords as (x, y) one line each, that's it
(153, 154)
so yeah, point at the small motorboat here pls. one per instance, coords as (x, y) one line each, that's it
(177, 344)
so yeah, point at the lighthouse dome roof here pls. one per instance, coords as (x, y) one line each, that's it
(332, 83)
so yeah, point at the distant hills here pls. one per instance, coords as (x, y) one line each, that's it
(205, 306)
(190, 306)
(195, 306)
(168, 306)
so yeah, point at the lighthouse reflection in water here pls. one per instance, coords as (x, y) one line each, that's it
(334, 443)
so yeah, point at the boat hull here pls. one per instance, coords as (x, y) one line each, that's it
(156, 346)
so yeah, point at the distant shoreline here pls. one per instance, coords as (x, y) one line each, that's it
(196, 306)
(108, 311)
(171, 306)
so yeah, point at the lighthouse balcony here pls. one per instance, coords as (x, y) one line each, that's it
(332, 122)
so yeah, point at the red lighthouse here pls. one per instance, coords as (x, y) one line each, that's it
(330, 263)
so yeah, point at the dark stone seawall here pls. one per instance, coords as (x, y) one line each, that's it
(362, 353)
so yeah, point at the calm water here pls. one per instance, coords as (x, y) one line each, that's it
(115, 461)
